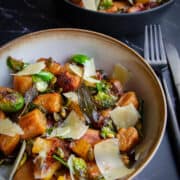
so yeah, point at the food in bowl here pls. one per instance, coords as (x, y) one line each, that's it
(118, 6)
(72, 121)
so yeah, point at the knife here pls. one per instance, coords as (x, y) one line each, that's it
(174, 62)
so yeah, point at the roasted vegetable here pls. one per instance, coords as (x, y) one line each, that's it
(41, 86)
(52, 102)
(105, 4)
(43, 76)
(10, 100)
(78, 167)
(108, 131)
(22, 83)
(14, 64)
(128, 138)
(42, 80)
(80, 58)
(33, 124)
(104, 98)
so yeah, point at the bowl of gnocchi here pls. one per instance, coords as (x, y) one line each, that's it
(76, 104)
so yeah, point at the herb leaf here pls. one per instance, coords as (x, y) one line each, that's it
(60, 160)
(29, 96)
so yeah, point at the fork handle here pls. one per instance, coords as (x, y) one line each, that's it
(173, 122)
(178, 90)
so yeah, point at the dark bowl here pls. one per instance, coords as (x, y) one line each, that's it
(111, 23)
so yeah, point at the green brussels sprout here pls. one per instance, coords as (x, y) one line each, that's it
(105, 4)
(14, 64)
(108, 130)
(80, 167)
(43, 76)
(104, 98)
(10, 100)
(80, 58)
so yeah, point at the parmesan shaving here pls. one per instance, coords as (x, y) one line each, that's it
(7, 127)
(31, 69)
(73, 127)
(108, 160)
(72, 96)
(121, 73)
(125, 116)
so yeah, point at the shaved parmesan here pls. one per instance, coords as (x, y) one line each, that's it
(125, 116)
(73, 127)
(108, 160)
(18, 160)
(70, 165)
(91, 80)
(89, 68)
(31, 69)
(97, 3)
(87, 73)
(121, 73)
(76, 69)
(7, 127)
(72, 96)
(90, 4)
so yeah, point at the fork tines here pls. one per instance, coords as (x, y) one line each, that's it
(154, 50)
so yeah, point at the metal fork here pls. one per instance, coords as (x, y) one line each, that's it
(155, 54)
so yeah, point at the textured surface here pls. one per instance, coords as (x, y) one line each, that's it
(19, 17)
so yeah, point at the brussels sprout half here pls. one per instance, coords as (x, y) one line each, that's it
(10, 100)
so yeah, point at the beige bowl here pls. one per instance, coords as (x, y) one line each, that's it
(60, 44)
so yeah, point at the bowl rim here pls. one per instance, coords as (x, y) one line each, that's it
(161, 132)
(169, 2)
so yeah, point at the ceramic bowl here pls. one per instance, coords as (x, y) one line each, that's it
(109, 23)
(60, 44)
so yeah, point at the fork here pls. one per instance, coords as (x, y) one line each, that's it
(155, 54)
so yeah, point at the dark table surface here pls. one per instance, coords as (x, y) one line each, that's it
(18, 17)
